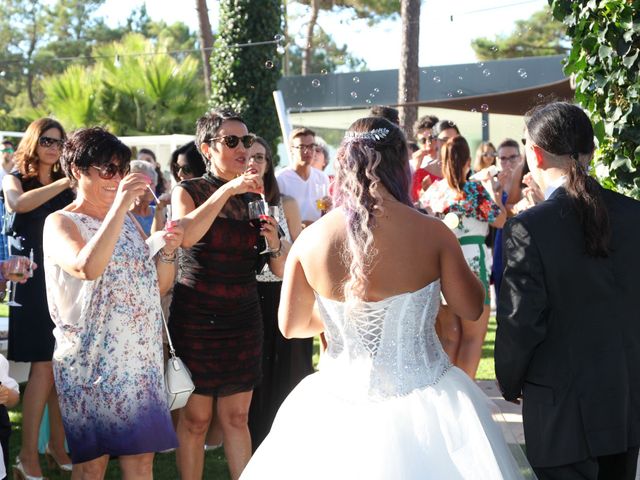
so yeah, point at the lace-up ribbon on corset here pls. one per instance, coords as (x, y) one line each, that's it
(386, 348)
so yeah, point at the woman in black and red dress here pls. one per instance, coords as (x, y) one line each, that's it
(216, 324)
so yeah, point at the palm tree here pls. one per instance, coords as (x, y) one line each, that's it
(144, 91)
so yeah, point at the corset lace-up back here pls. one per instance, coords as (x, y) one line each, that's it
(386, 348)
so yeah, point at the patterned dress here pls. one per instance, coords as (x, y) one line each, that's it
(108, 363)
(475, 210)
(215, 320)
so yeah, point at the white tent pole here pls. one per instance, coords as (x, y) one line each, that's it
(283, 118)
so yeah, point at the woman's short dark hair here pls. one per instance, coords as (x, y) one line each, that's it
(271, 190)
(194, 160)
(93, 146)
(208, 125)
(455, 156)
(428, 121)
(564, 130)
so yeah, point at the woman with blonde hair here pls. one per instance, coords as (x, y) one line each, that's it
(469, 208)
(35, 189)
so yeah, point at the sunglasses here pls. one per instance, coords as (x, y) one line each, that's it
(232, 141)
(490, 154)
(47, 142)
(7, 150)
(185, 169)
(107, 172)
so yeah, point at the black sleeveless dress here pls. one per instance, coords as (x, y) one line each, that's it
(30, 326)
(215, 320)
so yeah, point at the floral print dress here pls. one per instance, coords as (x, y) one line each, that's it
(108, 362)
(475, 210)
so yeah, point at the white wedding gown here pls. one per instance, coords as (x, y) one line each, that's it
(386, 404)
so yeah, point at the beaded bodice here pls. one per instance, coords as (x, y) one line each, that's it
(386, 348)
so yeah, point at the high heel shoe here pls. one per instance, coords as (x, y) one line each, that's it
(53, 462)
(20, 474)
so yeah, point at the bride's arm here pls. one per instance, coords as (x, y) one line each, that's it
(296, 316)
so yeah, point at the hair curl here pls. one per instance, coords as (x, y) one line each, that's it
(362, 166)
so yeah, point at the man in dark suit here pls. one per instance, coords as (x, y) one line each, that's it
(568, 338)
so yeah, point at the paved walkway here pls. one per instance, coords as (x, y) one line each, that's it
(510, 416)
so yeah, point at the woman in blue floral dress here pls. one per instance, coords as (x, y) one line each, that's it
(103, 291)
(469, 208)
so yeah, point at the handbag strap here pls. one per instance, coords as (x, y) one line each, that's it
(172, 351)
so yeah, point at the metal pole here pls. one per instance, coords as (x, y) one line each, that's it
(283, 118)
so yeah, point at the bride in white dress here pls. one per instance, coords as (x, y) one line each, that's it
(386, 403)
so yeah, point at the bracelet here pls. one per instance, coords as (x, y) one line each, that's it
(277, 253)
(167, 257)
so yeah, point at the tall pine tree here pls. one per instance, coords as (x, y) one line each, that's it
(244, 78)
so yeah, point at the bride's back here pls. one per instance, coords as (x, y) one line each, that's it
(407, 246)
(374, 244)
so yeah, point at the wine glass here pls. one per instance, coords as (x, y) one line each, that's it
(258, 215)
(16, 268)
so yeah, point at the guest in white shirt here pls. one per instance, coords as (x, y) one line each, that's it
(302, 182)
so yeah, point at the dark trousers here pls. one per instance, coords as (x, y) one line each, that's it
(621, 466)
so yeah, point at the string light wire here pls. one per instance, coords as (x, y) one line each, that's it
(119, 55)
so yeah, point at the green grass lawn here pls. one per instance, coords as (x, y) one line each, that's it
(486, 369)
(164, 466)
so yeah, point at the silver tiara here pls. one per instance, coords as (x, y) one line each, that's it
(374, 135)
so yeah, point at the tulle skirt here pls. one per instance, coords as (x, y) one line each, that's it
(444, 431)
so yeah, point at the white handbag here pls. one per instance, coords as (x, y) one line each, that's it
(177, 377)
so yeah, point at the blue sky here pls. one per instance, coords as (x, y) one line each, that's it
(442, 41)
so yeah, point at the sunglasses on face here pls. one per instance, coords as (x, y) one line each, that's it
(47, 142)
(232, 141)
(107, 172)
(510, 158)
(490, 154)
(305, 148)
(185, 169)
(7, 150)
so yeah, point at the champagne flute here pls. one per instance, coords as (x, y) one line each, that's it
(13, 243)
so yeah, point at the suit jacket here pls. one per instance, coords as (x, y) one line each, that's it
(568, 337)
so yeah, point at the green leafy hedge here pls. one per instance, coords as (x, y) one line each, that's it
(244, 78)
(604, 60)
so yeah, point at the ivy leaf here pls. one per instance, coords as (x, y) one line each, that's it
(604, 52)
(629, 60)
(620, 162)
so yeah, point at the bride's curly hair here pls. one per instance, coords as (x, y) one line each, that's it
(372, 153)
